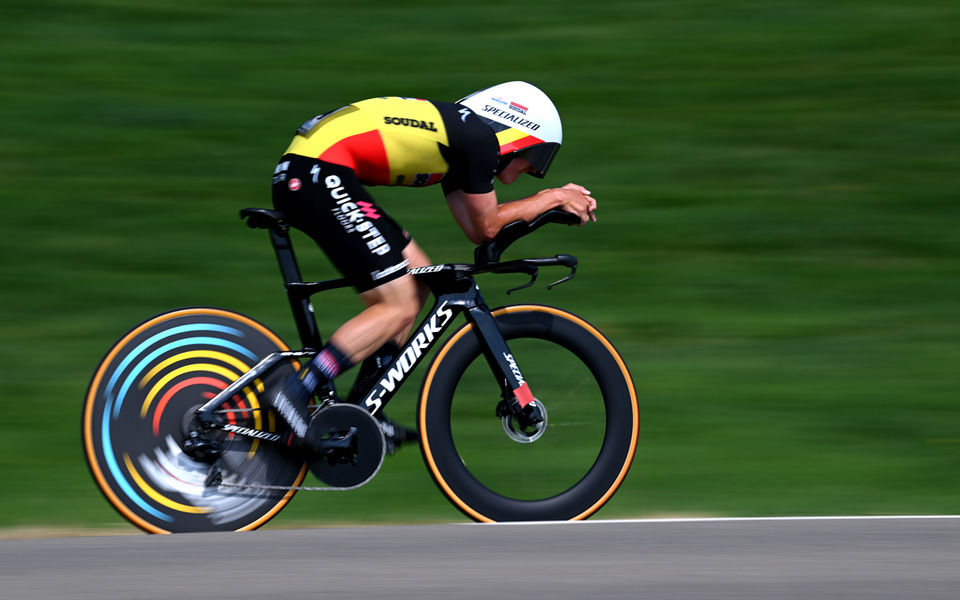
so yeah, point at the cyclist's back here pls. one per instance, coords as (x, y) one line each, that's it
(403, 141)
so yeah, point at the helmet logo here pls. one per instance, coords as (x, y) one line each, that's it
(510, 104)
(512, 117)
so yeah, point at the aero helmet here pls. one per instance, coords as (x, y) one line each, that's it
(524, 119)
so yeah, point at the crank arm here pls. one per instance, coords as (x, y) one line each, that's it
(332, 444)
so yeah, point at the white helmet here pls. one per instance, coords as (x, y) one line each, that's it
(524, 119)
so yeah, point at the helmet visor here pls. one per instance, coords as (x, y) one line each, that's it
(540, 156)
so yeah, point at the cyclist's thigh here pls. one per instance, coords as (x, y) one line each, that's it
(328, 203)
(415, 255)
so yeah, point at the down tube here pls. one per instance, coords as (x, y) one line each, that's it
(426, 336)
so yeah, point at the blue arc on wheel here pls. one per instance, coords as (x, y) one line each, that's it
(114, 409)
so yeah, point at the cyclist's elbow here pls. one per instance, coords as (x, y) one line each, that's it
(478, 234)
(486, 231)
(485, 237)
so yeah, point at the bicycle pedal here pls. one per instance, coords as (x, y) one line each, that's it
(347, 446)
(336, 442)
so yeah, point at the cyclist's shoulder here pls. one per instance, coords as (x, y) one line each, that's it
(465, 131)
(460, 114)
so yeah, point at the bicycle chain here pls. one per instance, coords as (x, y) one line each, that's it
(215, 480)
(298, 488)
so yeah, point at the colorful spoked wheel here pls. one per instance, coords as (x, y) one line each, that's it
(139, 408)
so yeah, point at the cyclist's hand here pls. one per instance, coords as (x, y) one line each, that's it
(576, 199)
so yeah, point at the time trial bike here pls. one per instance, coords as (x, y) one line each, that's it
(525, 413)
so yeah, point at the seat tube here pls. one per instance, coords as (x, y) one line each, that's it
(299, 302)
(498, 355)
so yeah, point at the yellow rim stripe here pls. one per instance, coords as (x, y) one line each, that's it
(236, 363)
(231, 360)
(157, 496)
(192, 368)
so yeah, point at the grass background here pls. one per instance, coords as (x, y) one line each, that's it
(777, 254)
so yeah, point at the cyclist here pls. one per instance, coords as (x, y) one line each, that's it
(500, 132)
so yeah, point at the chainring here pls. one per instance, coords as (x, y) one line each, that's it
(350, 446)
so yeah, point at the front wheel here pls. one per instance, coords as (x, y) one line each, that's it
(568, 468)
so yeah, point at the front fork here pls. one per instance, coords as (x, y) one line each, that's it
(524, 419)
(516, 391)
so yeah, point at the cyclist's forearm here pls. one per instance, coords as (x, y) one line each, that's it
(481, 216)
(572, 198)
(528, 208)
(485, 221)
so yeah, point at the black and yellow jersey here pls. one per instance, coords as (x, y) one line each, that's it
(404, 141)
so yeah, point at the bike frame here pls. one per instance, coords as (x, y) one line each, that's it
(455, 291)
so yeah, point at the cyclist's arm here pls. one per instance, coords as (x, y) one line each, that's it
(481, 216)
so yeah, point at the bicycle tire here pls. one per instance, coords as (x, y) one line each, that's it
(141, 400)
(592, 427)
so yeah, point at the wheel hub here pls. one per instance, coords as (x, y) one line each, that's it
(527, 425)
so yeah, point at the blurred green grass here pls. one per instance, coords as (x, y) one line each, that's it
(776, 256)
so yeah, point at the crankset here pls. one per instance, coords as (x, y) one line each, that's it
(345, 449)
(347, 446)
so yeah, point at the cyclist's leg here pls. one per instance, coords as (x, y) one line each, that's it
(390, 312)
(395, 434)
(329, 203)
(416, 257)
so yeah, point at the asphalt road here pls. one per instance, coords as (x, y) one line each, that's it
(896, 558)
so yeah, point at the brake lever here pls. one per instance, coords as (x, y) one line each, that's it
(567, 261)
(533, 272)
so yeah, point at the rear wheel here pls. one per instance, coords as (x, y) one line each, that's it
(495, 469)
(139, 409)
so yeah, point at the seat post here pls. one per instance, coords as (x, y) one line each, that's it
(299, 301)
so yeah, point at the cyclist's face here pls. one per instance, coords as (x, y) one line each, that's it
(516, 168)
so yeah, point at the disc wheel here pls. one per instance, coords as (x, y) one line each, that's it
(138, 411)
(494, 469)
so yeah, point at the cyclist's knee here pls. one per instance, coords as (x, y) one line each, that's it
(405, 314)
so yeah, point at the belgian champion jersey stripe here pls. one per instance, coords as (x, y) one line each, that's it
(404, 141)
